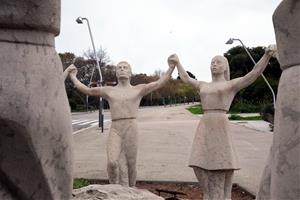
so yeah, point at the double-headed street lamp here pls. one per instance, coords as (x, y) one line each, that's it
(230, 41)
(79, 20)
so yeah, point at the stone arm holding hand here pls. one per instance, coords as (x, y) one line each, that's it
(67, 72)
(173, 59)
(242, 82)
(147, 88)
(95, 91)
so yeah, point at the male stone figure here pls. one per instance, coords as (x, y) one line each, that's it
(124, 100)
(35, 122)
(281, 177)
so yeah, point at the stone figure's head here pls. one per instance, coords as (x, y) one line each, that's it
(123, 70)
(219, 65)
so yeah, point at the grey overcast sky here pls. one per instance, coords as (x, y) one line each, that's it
(146, 32)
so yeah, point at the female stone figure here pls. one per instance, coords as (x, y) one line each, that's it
(213, 157)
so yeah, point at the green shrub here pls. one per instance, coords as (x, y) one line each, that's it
(80, 182)
(237, 117)
(245, 107)
(196, 109)
(267, 113)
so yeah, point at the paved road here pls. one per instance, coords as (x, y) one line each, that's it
(165, 138)
(83, 120)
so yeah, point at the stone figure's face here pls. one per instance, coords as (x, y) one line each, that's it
(123, 70)
(218, 65)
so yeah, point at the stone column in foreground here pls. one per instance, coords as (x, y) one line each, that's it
(35, 123)
(281, 178)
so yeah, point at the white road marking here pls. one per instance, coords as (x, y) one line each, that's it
(88, 122)
(80, 121)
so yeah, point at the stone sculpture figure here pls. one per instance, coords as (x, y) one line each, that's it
(281, 177)
(124, 100)
(213, 157)
(35, 122)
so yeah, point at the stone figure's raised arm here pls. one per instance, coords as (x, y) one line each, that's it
(183, 74)
(147, 88)
(242, 82)
(67, 72)
(95, 91)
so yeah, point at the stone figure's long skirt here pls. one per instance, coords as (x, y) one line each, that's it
(212, 147)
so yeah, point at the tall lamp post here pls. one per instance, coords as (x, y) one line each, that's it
(230, 41)
(79, 20)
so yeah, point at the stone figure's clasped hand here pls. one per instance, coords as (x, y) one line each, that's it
(271, 50)
(173, 60)
(72, 70)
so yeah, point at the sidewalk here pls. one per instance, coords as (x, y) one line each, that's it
(165, 138)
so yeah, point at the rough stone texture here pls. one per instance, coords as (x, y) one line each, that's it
(113, 192)
(281, 177)
(42, 15)
(124, 100)
(287, 30)
(35, 123)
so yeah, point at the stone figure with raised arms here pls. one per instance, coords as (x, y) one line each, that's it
(124, 100)
(213, 157)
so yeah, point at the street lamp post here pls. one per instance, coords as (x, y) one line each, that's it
(79, 20)
(230, 41)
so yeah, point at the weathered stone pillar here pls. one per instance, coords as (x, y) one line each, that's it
(35, 124)
(281, 178)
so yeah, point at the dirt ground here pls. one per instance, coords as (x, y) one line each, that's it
(191, 190)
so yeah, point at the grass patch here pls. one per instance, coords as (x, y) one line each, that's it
(244, 107)
(237, 117)
(196, 109)
(80, 182)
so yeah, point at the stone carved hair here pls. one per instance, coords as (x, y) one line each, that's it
(227, 70)
(126, 63)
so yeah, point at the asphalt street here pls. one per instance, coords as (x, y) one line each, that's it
(83, 120)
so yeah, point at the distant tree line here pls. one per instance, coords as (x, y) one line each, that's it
(253, 97)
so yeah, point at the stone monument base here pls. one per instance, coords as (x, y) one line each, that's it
(113, 192)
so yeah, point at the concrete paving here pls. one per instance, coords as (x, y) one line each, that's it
(165, 138)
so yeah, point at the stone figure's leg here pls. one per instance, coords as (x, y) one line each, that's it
(113, 153)
(212, 183)
(131, 145)
(123, 169)
(216, 182)
(202, 177)
(228, 184)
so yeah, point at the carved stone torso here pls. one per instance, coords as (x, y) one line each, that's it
(216, 95)
(123, 102)
(287, 29)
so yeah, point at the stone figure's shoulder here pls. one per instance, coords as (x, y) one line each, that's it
(139, 86)
(108, 89)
